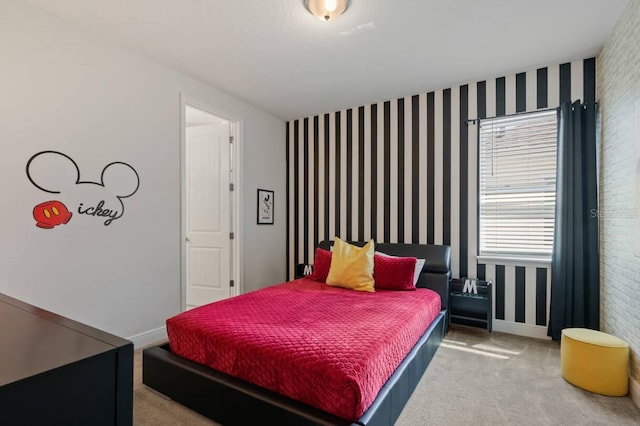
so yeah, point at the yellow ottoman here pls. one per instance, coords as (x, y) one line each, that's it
(595, 361)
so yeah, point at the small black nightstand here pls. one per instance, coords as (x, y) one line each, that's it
(469, 308)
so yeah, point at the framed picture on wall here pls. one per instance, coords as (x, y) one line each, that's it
(265, 207)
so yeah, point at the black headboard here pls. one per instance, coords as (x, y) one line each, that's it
(436, 271)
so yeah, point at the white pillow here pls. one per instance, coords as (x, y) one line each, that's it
(419, 264)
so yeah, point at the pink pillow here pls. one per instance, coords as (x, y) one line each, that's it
(321, 265)
(394, 273)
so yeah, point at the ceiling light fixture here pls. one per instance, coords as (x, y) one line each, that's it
(326, 10)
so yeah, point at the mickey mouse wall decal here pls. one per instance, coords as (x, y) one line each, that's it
(51, 213)
(56, 173)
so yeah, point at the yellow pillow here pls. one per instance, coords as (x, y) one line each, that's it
(351, 266)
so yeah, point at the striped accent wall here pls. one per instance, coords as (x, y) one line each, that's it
(405, 170)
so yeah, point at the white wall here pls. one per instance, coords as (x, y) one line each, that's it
(619, 98)
(64, 89)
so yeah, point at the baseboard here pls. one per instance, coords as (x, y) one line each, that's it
(634, 391)
(149, 337)
(520, 329)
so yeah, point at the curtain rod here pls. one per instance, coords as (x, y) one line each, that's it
(475, 120)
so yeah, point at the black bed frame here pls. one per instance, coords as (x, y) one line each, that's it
(231, 401)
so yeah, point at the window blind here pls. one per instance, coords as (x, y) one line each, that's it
(517, 184)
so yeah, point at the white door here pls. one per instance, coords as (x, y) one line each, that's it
(207, 214)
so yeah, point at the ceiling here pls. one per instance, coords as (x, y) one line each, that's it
(196, 117)
(275, 55)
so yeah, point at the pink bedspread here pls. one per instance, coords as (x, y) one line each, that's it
(328, 347)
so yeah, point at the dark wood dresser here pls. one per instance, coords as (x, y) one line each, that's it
(56, 371)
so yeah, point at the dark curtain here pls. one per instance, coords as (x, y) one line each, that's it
(575, 280)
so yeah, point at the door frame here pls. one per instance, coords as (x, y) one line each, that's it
(235, 130)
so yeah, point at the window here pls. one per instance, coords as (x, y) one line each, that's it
(517, 185)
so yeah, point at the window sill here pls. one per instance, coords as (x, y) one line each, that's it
(515, 261)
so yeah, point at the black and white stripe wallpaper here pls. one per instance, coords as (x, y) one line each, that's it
(405, 170)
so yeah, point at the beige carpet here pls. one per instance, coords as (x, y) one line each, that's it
(476, 377)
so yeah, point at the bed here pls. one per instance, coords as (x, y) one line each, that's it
(228, 399)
